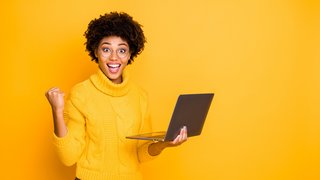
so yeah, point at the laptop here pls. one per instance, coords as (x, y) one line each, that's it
(190, 110)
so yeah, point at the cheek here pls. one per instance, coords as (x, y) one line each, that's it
(101, 63)
(101, 59)
(125, 61)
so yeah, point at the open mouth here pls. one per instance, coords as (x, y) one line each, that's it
(114, 68)
(113, 65)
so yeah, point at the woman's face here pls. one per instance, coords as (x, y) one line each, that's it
(113, 55)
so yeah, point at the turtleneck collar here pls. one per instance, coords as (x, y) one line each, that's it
(101, 82)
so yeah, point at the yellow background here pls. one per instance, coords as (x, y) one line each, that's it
(260, 57)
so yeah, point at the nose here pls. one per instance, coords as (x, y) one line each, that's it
(113, 56)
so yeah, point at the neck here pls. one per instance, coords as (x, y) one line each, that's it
(110, 87)
(116, 81)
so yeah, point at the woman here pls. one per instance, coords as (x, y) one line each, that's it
(90, 128)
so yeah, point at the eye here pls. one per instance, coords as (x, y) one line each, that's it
(122, 51)
(105, 49)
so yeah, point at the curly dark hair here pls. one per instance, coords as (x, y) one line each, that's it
(115, 24)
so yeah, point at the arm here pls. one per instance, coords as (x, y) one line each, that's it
(69, 128)
(56, 99)
(156, 148)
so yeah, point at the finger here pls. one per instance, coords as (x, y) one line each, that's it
(181, 131)
(51, 90)
(56, 91)
(55, 95)
(176, 140)
(185, 134)
(182, 136)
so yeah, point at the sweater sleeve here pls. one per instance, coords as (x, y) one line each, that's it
(70, 147)
(146, 127)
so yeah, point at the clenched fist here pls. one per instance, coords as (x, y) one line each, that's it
(56, 98)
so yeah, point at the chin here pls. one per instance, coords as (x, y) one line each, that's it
(114, 77)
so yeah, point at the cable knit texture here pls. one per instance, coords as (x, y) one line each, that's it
(99, 115)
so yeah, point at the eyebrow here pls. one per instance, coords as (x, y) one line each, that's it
(118, 44)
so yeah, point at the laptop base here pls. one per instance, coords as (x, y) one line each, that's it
(154, 136)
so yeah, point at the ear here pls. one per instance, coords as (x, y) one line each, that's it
(96, 52)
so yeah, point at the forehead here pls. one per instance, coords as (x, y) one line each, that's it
(113, 40)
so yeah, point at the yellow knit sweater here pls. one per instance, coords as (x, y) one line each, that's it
(99, 115)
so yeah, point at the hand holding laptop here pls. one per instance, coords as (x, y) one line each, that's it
(190, 111)
(181, 138)
(158, 147)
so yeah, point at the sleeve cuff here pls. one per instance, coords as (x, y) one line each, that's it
(143, 153)
(61, 141)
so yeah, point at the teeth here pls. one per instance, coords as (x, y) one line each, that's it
(113, 65)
